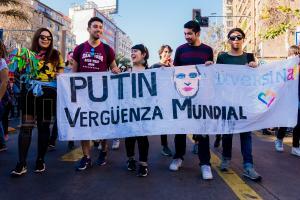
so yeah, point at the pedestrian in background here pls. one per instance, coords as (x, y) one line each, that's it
(292, 52)
(164, 53)
(3, 92)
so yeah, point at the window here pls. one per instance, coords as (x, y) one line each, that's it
(229, 23)
(57, 27)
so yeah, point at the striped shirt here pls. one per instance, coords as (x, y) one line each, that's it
(191, 55)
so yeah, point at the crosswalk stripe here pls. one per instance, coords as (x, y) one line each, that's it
(72, 156)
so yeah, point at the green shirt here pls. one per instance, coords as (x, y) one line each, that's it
(244, 59)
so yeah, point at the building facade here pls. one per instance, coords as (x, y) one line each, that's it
(112, 35)
(247, 15)
(228, 11)
(40, 15)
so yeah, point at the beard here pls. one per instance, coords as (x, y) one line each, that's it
(95, 36)
(190, 41)
(235, 48)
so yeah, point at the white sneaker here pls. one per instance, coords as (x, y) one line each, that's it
(116, 144)
(206, 172)
(295, 151)
(176, 164)
(278, 145)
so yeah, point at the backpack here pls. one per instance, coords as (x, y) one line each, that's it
(106, 50)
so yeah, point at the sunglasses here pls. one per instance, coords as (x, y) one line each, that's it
(92, 52)
(235, 37)
(43, 37)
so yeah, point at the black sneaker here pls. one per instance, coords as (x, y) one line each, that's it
(71, 145)
(96, 143)
(102, 158)
(166, 151)
(51, 146)
(3, 147)
(131, 165)
(143, 171)
(20, 170)
(39, 166)
(84, 164)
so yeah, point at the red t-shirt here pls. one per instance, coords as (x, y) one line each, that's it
(92, 59)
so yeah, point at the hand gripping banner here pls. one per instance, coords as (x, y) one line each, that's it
(218, 99)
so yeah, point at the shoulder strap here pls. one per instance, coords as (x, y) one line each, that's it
(80, 49)
(107, 54)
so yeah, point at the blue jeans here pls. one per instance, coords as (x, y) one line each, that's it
(246, 148)
(2, 140)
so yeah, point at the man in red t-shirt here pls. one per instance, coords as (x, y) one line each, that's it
(93, 56)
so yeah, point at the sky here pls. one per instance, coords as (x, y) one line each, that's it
(153, 22)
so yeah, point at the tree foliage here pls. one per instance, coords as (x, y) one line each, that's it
(122, 62)
(278, 18)
(11, 8)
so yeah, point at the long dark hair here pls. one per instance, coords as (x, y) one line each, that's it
(52, 55)
(3, 51)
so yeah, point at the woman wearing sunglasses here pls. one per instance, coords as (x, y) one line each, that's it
(38, 99)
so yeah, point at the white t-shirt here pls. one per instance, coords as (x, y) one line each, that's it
(3, 64)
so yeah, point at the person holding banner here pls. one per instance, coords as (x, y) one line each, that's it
(237, 56)
(164, 53)
(293, 51)
(38, 93)
(139, 57)
(3, 92)
(93, 56)
(192, 53)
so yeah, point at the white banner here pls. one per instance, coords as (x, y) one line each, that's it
(219, 99)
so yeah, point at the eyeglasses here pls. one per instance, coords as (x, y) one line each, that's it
(236, 37)
(92, 52)
(44, 37)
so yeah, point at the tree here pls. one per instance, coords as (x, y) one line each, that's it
(278, 18)
(11, 37)
(9, 8)
(214, 37)
(122, 62)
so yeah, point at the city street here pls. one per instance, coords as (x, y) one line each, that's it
(280, 172)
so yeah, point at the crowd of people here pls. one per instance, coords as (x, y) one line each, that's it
(39, 86)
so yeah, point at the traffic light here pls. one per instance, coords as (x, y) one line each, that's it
(1, 33)
(197, 15)
(204, 22)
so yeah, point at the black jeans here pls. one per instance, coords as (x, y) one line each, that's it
(44, 108)
(246, 147)
(54, 133)
(296, 133)
(7, 109)
(143, 145)
(203, 148)
(164, 140)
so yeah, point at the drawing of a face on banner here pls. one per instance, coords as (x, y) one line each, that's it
(186, 81)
